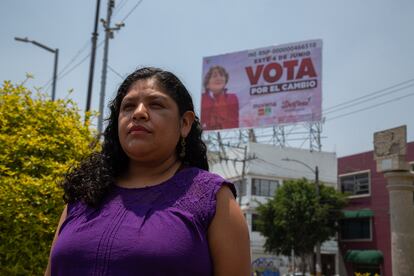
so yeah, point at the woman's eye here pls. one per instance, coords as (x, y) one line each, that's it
(127, 107)
(156, 105)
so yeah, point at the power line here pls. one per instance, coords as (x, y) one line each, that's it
(78, 53)
(75, 66)
(115, 72)
(293, 170)
(374, 97)
(75, 57)
(370, 107)
(119, 7)
(370, 94)
(79, 63)
(132, 10)
(63, 74)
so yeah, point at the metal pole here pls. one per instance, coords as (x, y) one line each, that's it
(318, 244)
(108, 31)
(243, 175)
(54, 51)
(55, 74)
(93, 55)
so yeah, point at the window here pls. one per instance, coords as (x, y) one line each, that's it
(356, 229)
(241, 189)
(412, 167)
(255, 218)
(355, 184)
(264, 187)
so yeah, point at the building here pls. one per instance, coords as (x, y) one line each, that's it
(365, 236)
(264, 171)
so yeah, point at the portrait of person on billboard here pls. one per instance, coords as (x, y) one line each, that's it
(219, 107)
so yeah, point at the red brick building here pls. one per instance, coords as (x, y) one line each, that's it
(365, 239)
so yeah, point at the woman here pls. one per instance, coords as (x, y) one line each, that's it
(146, 204)
(219, 109)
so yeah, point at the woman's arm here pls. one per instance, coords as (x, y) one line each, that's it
(228, 237)
(61, 220)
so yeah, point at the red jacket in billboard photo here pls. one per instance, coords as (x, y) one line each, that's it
(219, 111)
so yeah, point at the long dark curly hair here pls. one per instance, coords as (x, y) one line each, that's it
(97, 174)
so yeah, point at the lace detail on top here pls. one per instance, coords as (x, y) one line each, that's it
(199, 198)
(191, 190)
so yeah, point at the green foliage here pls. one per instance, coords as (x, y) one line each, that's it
(40, 141)
(294, 218)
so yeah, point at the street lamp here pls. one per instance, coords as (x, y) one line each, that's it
(318, 244)
(55, 51)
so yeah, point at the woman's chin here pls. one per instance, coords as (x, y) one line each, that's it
(217, 92)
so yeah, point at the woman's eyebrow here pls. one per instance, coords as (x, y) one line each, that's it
(148, 97)
(125, 100)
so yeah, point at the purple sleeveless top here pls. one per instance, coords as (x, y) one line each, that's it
(157, 230)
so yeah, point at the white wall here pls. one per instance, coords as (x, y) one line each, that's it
(266, 162)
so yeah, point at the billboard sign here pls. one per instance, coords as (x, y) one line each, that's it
(262, 87)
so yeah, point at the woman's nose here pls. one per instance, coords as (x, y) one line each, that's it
(141, 112)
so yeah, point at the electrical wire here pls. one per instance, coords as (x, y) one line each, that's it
(132, 10)
(115, 72)
(293, 170)
(375, 97)
(119, 7)
(87, 44)
(73, 67)
(46, 86)
(63, 74)
(369, 107)
(368, 95)
(80, 62)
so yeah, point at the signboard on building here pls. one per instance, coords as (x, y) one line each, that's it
(262, 87)
(390, 149)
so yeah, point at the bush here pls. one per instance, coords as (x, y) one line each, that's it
(40, 141)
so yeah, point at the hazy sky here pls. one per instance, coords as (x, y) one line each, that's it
(368, 46)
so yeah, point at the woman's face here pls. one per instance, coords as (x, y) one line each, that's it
(149, 125)
(217, 82)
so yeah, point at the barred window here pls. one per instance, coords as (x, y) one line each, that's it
(264, 187)
(356, 184)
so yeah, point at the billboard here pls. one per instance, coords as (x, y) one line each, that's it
(262, 87)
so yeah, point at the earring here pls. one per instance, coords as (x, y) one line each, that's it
(182, 153)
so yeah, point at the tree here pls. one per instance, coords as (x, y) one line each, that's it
(40, 141)
(295, 218)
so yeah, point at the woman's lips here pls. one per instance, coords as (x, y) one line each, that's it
(138, 129)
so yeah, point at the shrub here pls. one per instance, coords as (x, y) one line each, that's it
(40, 141)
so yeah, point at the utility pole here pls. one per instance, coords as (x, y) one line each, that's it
(56, 52)
(108, 35)
(243, 161)
(222, 150)
(252, 135)
(93, 55)
(243, 174)
(318, 243)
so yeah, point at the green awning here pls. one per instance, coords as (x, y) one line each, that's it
(364, 256)
(361, 213)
